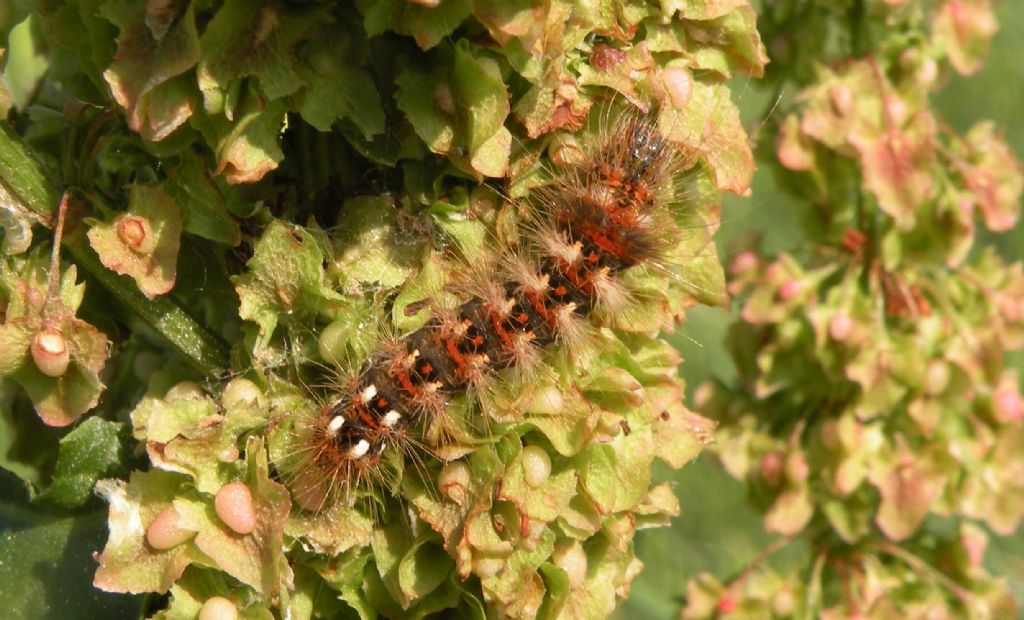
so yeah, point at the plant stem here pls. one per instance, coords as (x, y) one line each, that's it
(921, 566)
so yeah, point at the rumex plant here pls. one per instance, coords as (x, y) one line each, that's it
(293, 206)
(873, 417)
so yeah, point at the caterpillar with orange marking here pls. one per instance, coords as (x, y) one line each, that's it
(554, 287)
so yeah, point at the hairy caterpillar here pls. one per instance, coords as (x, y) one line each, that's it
(555, 286)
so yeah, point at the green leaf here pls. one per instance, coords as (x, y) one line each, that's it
(371, 249)
(26, 63)
(156, 43)
(191, 436)
(204, 201)
(52, 574)
(247, 144)
(202, 348)
(271, 32)
(543, 503)
(461, 114)
(95, 449)
(337, 88)
(429, 25)
(285, 275)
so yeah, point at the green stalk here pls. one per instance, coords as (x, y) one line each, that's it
(24, 179)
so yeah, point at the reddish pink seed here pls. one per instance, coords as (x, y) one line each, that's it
(790, 289)
(743, 263)
(165, 531)
(1009, 406)
(235, 508)
(727, 604)
(771, 468)
(50, 352)
(840, 327)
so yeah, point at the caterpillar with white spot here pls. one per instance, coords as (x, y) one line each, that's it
(554, 287)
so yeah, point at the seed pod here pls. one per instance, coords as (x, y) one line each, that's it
(166, 531)
(840, 327)
(240, 391)
(573, 560)
(333, 341)
(454, 480)
(485, 567)
(218, 608)
(790, 289)
(185, 390)
(547, 401)
(772, 464)
(50, 352)
(564, 150)
(137, 233)
(536, 465)
(235, 508)
(936, 378)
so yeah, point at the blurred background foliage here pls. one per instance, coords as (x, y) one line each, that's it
(718, 532)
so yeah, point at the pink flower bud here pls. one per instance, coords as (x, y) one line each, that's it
(790, 289)
(840, 327)
(842, 99)
(50, 352)
(727, 603)
(744, 262)
(1009, 407)
(772, 464)
(974, 542)
(896, 109)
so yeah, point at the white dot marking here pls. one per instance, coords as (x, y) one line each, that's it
(335, 425)
(391, 418)
(359, 450)
(369, 393)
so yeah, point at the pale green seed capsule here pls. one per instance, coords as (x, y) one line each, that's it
(536, 465)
